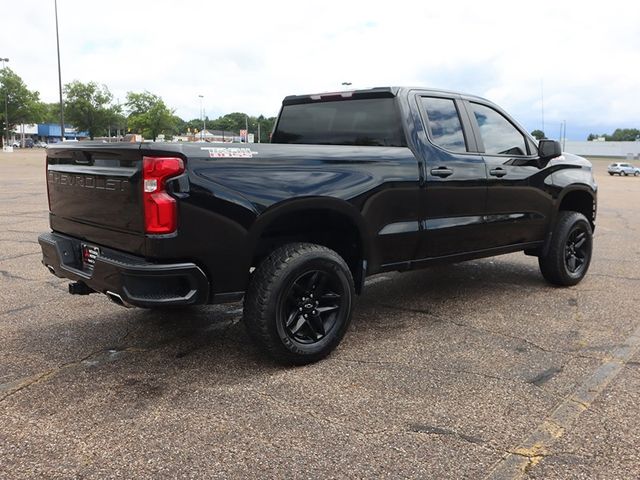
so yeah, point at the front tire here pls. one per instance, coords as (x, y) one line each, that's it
(569, 254)
(299, 302)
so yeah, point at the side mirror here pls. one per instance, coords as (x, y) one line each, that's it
(548, 149)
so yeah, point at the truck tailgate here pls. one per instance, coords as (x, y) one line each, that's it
(96, 186)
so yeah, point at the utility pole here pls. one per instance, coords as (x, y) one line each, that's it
(202, 117)
(55, 3)
(6, 104)
(246, 128)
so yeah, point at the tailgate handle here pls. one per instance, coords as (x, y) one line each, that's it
(443, 172)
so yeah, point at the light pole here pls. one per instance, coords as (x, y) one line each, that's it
(55, 3)
(6, 103)
(204, 125)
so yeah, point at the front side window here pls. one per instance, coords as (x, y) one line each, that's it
(444, 123)
(499, 135)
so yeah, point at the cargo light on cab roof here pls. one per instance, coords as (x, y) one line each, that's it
(160, 209)
(321, 96)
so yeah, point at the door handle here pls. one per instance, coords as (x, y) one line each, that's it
(443, 172)
(498, 172)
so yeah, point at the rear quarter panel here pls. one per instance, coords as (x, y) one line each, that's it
(232, 200)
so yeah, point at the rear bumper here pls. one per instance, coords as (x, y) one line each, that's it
(133, 279)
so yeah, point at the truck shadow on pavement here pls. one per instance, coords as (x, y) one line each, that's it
(195, 345)
(215, 334)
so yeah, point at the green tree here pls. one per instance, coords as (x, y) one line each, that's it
(195, 124)
(538, 134)
(266, 127)
(23, 105)
(625, 135)
(232, 123)
(148, 115)
(117, 121)
(51, 113)
(619, 135)
(87, 107)
(179, 125)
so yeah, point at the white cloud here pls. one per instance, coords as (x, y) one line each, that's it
(247, 56)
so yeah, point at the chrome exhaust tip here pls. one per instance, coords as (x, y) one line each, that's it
(117, 299)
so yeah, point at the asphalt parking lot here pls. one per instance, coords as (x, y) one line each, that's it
(469, 371)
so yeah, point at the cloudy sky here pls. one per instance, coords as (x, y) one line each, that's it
(246, 56)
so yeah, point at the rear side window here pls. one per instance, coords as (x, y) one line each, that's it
(371, 121)
(498, 134)
(445, 127)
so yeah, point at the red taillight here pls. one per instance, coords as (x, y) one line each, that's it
(160, 209)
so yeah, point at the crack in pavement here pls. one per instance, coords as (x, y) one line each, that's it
(21, 384)
(321, 419)
(433, 430)
(19, 256)
(617, 277)
(20, 309)
(522, 382)
(567, 412)
(533, 456)
(31, 232)
(491, 332)
(111, 353)
(16, 386)
(22, 214)
(12, 276)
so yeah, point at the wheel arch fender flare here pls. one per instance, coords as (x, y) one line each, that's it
(316, 203)
(583, 188)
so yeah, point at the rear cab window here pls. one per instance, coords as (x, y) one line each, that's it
(367, 122)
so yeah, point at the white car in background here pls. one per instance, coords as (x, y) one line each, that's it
(623, 169)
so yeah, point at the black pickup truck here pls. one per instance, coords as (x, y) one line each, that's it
(353, 183)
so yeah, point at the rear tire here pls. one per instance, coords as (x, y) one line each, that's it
(299, 302)
(623, 174)
(569, 254)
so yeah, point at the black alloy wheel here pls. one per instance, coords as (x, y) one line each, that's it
(565, 261)
(576, 251)
(309, 309)
(299, 302)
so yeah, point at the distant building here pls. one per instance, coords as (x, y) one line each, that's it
(628, 150)
(50, 132)
(45, 132)
(214, 136)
